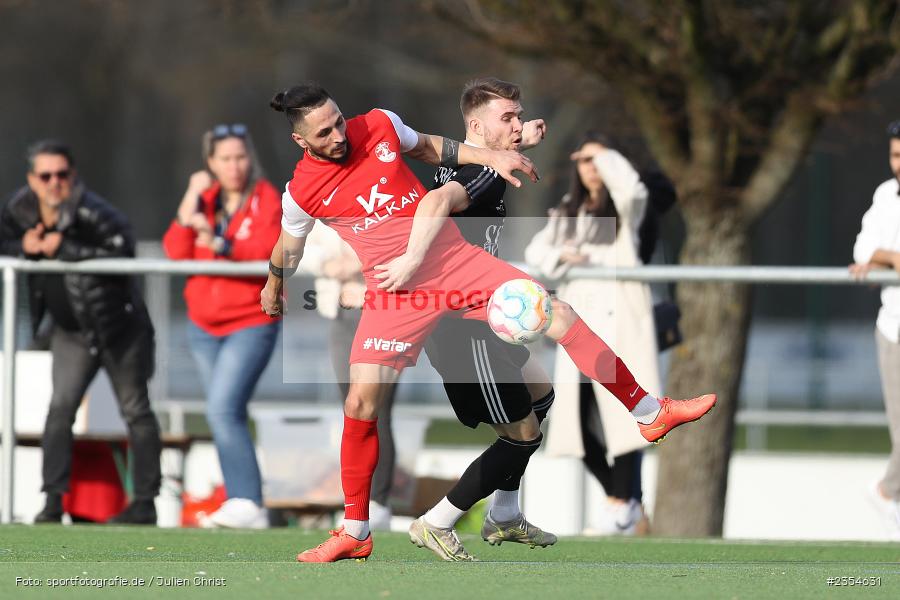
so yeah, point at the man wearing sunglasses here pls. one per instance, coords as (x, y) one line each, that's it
(96, 320)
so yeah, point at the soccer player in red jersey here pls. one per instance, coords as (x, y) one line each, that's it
(353, 179)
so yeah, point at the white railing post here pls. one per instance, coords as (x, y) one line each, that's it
(9, 391)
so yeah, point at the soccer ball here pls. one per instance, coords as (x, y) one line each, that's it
(519, 311)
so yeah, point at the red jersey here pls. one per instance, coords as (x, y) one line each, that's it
(370, 198)
(222, 305)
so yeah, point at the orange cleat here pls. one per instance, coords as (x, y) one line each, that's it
(339, 546)
(673, 413)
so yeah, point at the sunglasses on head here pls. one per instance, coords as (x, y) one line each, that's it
(233, 130)
(893, 129)
(48, 175)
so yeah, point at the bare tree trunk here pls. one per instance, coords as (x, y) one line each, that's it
(693, 466)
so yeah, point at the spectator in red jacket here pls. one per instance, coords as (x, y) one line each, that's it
(229, 212)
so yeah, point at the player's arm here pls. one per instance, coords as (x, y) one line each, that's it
(533, 133)
(431, 213)
(283, 263)
(436, 150)
(286, 255)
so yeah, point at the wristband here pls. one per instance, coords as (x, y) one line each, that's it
(280, 272)
(450, 154)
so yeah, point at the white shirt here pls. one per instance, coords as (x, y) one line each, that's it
(881, 229)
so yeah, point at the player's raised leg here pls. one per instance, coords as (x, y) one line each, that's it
(369, 386)
(656, 417)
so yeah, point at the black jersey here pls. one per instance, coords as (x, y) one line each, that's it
(482, 222)
(482, 375)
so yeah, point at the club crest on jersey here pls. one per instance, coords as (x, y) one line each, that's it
(384, 153)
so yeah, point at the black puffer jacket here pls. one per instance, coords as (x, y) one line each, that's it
(106, 306)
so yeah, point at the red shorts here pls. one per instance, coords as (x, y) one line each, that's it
(394, 327)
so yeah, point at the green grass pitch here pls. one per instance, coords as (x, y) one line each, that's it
(260, 565)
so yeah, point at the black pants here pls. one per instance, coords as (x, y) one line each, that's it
(343, 330)
(621, 480)
(129, 365)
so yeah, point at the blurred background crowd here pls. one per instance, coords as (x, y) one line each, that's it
(769, 119)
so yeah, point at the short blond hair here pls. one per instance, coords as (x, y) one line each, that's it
(482, 90)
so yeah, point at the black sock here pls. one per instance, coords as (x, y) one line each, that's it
(514, 481)
(541, 408)
(503, 460)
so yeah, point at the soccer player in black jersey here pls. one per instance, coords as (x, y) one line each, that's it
(486, 379)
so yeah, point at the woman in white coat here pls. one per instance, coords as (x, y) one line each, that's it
(596, 224)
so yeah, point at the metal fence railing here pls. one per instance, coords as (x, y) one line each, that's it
(147, 266)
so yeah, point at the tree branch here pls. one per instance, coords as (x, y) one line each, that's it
(787, 147)
(702, 101)
(808, 106)
(659, 130)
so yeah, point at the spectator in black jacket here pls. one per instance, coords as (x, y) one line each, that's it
(97, 320)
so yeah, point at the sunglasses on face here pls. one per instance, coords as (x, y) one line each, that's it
(47, 176)
(234, 130)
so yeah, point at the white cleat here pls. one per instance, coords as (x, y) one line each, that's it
(518, 531)
(443, 542)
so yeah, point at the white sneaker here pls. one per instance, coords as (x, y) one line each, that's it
(379, 516)
(887, 508)
(619, 518)
(238, 513)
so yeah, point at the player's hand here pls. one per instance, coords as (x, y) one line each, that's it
(32, 240)
(507, 161)
(50, 243)
(271, 300)
(397, 272)
(533, 133)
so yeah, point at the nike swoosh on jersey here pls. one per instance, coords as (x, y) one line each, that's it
(327, 201)
(631, 395)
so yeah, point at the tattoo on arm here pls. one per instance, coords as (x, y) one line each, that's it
(450, 153)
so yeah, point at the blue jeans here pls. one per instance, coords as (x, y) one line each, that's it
(230, 367)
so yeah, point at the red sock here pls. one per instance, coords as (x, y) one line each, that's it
(359, 457)
(598, 361)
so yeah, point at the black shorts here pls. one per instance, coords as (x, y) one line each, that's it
(482, 374)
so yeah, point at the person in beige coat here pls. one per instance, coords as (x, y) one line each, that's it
(596, 224)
